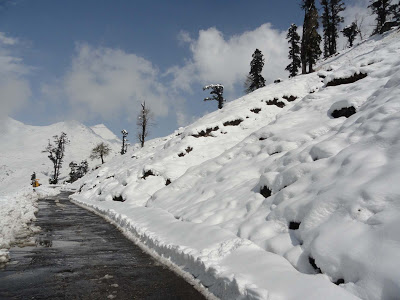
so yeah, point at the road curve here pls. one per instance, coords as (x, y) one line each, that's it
(78, 255)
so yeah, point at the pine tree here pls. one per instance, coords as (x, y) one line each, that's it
(256, 66)
(350, 32)
(294, 51)
(330, 23)
(337, 6)
(217, 90)
(310, 43)
(77, 171)
(326, 24)
(395, 10)
(382, 10)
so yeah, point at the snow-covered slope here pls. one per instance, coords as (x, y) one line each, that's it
(102, 131)
(256, 200)
(22, 145)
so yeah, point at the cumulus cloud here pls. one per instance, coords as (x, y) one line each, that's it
(14, 87)
(226, 60)
(110, 83)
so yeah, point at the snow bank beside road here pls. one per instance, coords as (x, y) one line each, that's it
(309, 187)
(230, 267)
(17, 211)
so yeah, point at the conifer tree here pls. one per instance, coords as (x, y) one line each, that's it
(330, 23)
(256, 65)
(294, 51)
(310, 43)
(382, 9)
(395, 10)
(350, 32)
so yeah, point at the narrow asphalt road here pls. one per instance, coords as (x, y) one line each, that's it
(78, 255)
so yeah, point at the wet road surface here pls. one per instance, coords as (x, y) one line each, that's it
(80, 256)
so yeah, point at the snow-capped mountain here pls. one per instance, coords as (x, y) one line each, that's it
(22, 145)
(280, 194)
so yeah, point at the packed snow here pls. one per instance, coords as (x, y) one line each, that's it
(17, 211)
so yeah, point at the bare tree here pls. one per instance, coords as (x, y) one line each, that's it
(144, 121)
(217, 90)
(56, 154)
(124, 141)
(359, 20)
(100, 151)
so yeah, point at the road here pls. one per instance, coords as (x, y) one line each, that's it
(78, 255)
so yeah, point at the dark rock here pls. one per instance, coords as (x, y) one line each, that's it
(255, 110)
(181, 154)
(168, 182)
(339, 281)
(118, 198)
(147, 174)
(289, 98)
(233, 123)
(276, 102)
(205, 133)
(311, 260)
(262, 138)
(347, 80)
(80, 189)
(265, 191)
(344, 112)
(294, 225)
(277, 80)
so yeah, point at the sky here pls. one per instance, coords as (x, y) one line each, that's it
(95, 61)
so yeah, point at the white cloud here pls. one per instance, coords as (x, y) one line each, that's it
(217, 59)
(14, 87)
(111, 83)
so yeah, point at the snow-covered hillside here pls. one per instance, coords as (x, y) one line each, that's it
(282, 193)
(22, 145)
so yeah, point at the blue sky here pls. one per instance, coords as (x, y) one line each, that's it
(95, 60)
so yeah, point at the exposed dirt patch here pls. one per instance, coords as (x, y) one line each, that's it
(255, 110)
(233, 123)
(188, 149)
(347, 80)
(344, 112)
(276, 102)
(205, 133)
